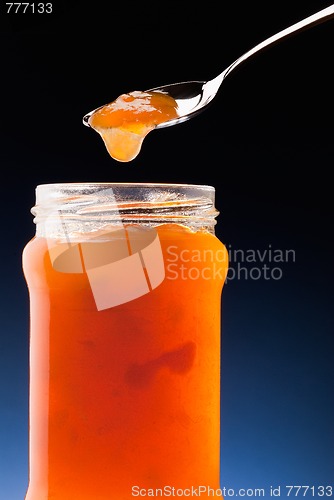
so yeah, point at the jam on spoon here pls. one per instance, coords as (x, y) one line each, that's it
(124, 123)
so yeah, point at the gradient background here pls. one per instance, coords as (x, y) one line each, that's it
(266, 144)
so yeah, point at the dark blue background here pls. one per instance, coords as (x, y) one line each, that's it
(266, 144)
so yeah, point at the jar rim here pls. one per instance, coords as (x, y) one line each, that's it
(132, 185)
(96, 203)
(127, 183)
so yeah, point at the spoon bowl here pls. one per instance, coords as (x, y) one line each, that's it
(189, 97)
(192, 97)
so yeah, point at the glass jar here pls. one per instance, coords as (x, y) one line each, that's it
(125, 285)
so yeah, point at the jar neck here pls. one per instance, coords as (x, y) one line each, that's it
(88, 207)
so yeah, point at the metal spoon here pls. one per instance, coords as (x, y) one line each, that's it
(192, 97)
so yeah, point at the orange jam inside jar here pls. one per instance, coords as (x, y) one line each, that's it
(124, 385)
(124, 123)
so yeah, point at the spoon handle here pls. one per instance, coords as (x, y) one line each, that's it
(308, 22)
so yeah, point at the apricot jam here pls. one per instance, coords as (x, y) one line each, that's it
(124, 123)
(125, 396)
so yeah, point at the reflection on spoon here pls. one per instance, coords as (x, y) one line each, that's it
(124, 123)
